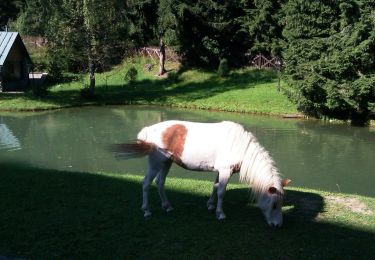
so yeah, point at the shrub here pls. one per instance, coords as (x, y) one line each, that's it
(54, 71)
(55, 66)
(131, 75)
(223, 69)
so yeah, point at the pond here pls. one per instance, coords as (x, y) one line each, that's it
(313, 154)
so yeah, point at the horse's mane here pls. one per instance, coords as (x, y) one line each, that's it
(257, 167)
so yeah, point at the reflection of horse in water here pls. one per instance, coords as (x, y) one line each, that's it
(223, 147)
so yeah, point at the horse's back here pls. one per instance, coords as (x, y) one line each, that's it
(196, 145)
(195, 132)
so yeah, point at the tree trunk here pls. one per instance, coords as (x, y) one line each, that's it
(161, 58)
(88, 17)
(92, 77)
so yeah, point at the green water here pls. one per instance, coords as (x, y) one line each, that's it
(313, 154)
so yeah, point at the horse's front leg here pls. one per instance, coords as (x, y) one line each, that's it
(224, 176)
(211, 200)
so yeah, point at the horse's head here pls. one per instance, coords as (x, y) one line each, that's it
(271, 203)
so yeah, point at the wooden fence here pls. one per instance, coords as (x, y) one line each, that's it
(260, 61)
(34, 41)
(154, 52)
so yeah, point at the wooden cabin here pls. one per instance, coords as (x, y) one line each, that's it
(15, 63)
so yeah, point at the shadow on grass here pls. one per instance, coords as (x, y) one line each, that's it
(158, 90)
(48, 214)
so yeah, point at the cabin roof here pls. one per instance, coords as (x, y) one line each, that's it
(7, 39)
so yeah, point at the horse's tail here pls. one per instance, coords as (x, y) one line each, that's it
(132, 150)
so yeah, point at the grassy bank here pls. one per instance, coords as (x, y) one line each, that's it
(244, 90)
(48, 214)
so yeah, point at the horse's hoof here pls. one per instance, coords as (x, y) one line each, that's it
(167, 208)
(147, 214)
(210, 207)
(220, 216)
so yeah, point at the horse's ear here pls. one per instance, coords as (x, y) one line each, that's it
(285, 182)
(272, 190)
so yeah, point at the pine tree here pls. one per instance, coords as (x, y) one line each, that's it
(263, 23)
(330, 56)
(34, 17)
(9, 9)
(205, 31)
(143, 17)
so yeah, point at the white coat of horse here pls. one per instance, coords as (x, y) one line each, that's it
(225, 148)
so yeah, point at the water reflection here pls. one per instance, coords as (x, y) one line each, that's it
(8, 141)
(312, 154)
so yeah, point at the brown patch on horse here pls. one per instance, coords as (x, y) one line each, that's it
(173, 139)
(235, 168)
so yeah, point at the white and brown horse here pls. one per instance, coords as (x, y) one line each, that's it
(225, 148)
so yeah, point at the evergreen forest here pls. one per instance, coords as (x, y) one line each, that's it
(327, 47)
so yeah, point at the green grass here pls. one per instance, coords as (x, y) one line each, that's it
(244, 90)
(49, 214)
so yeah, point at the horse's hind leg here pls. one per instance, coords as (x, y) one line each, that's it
(151, 173)
(211, 200)
(158, 164)
(160, 181)
(153, 168)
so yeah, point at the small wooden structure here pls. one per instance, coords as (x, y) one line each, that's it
(261, 62)
(154, 54)
(15, 63)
